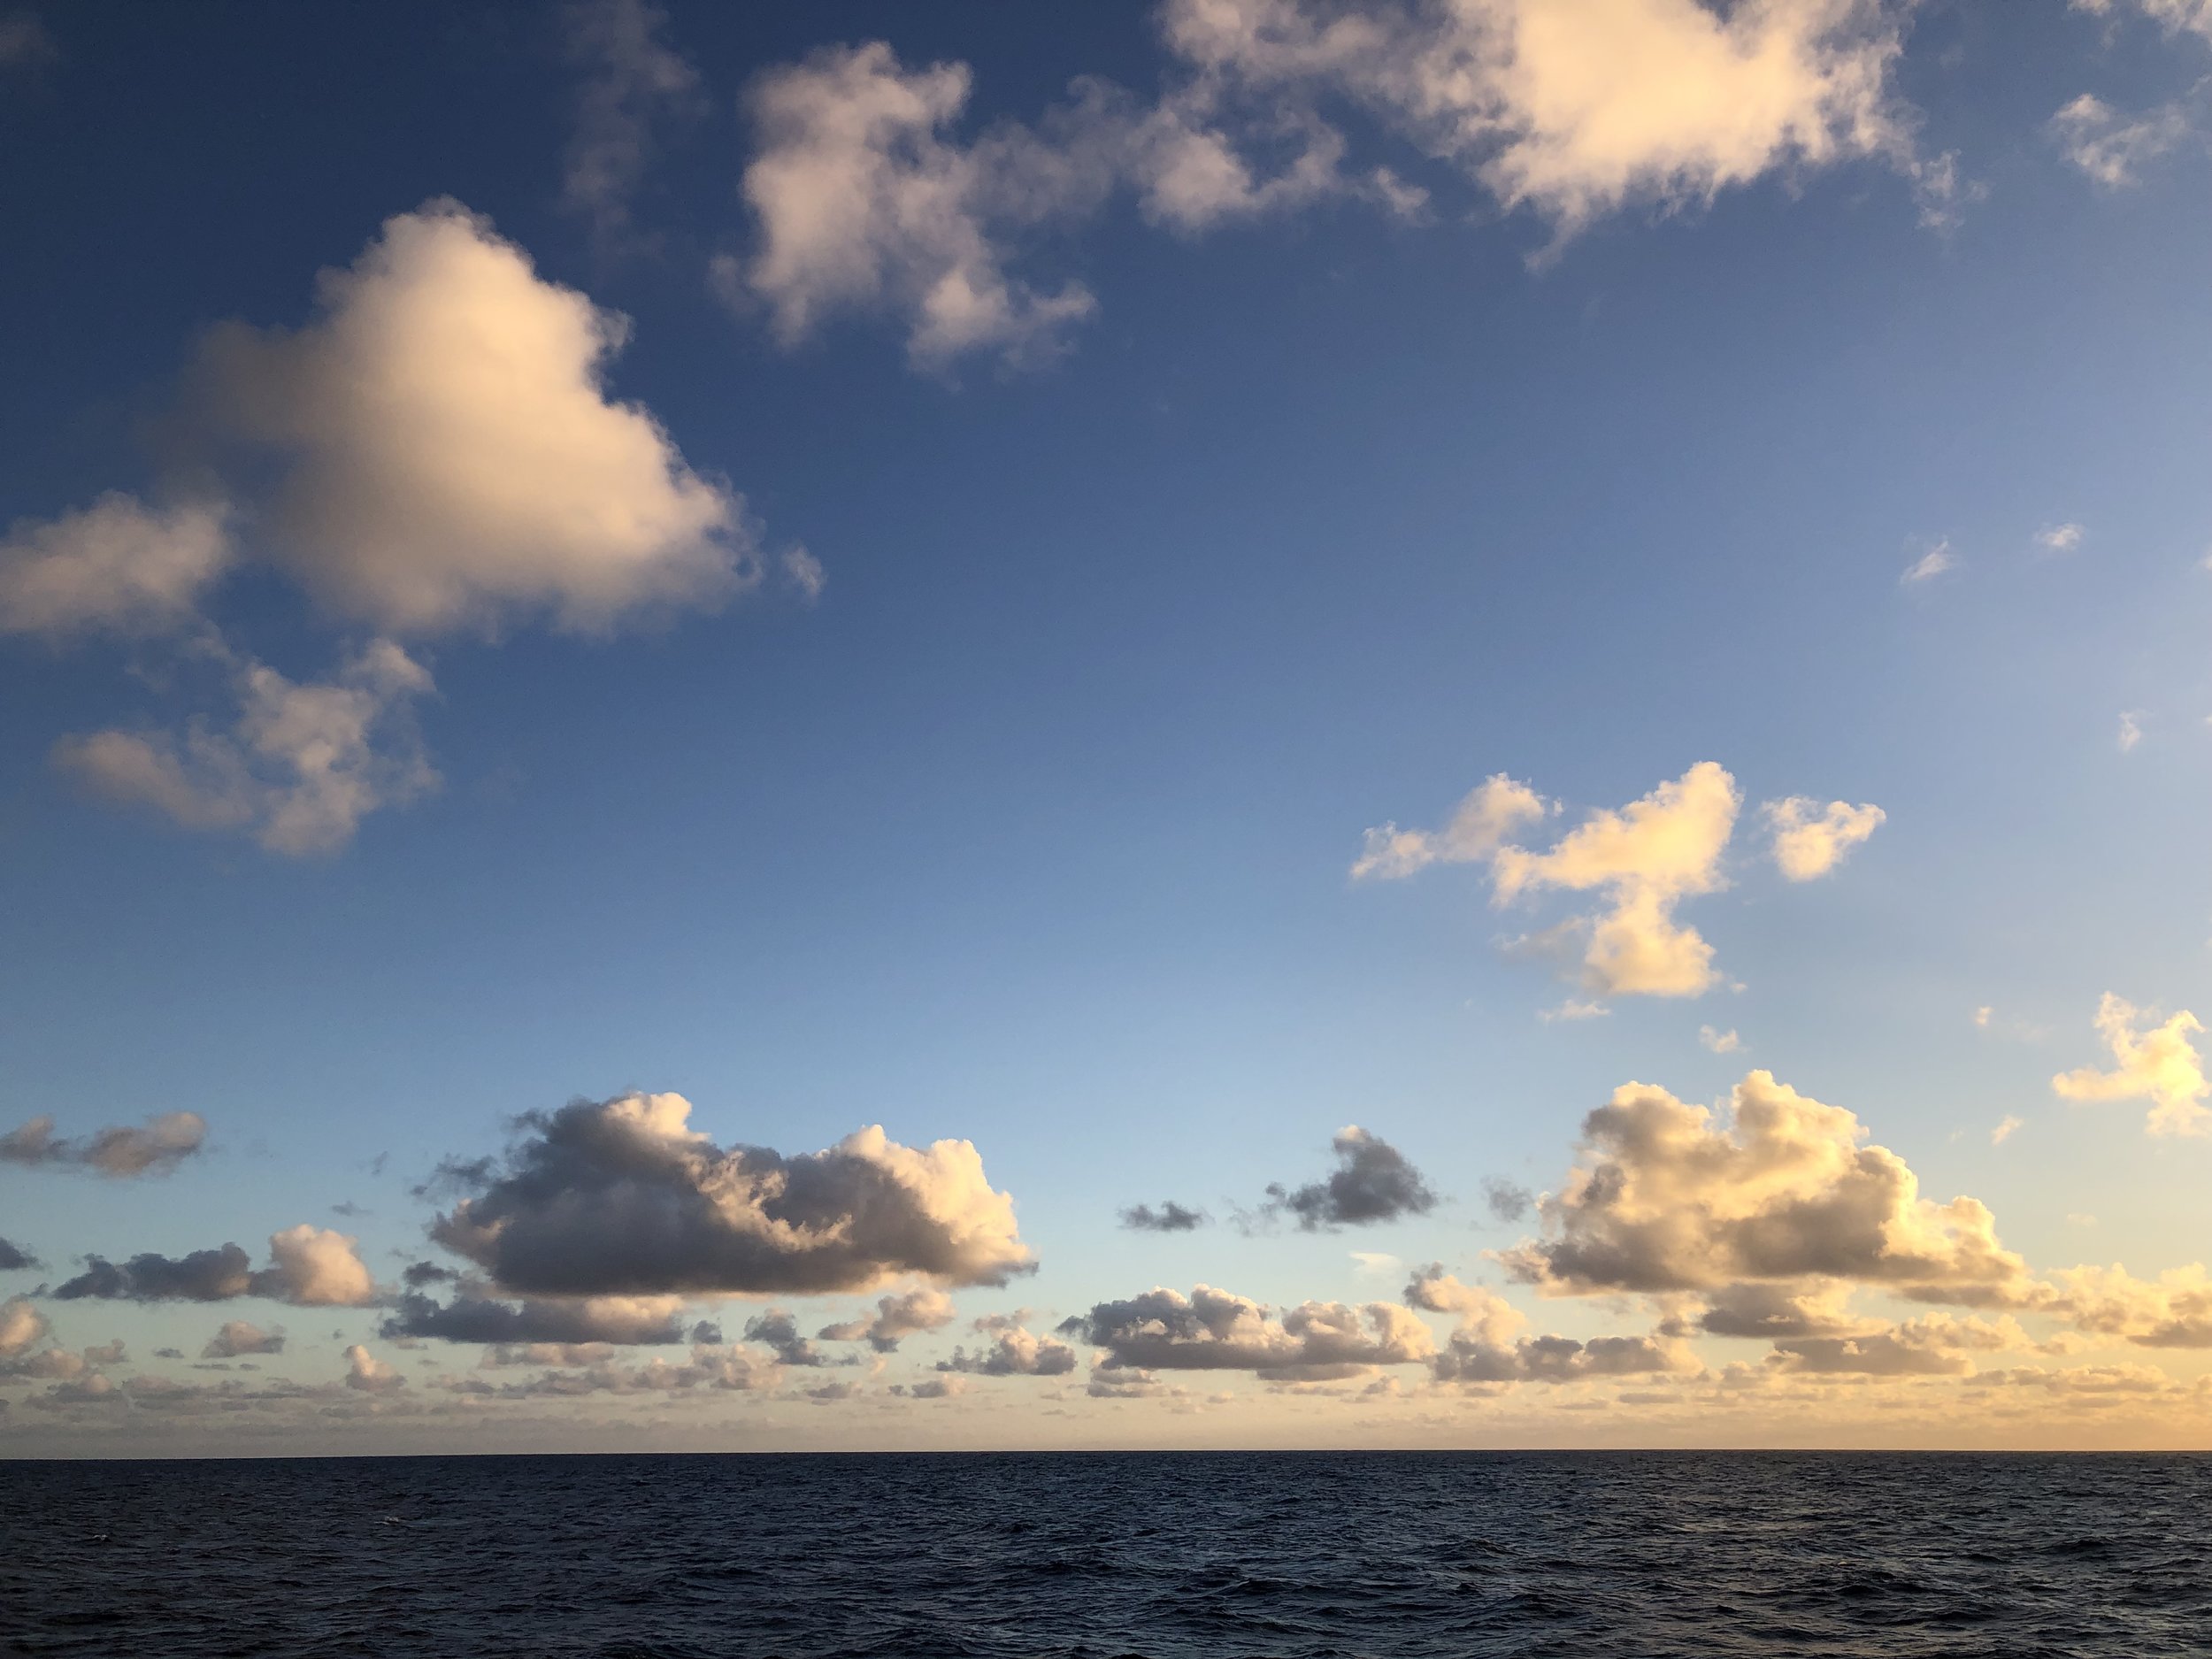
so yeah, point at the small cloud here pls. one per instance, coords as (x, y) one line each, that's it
(1573, 1008)
(2003, 1132)
(1505, 1199)
(2076, 1218)
(805, 574)
(1719, 1041)
(1929, 566)
(1377, 1262)
(2110, 146)
(2130, 729)
(1981, 1016)
(23, 39)
(1168, 1217)
(2059, 538)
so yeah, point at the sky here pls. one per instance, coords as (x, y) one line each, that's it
(1234, 723)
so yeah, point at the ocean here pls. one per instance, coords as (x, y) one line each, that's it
(1089, 1556)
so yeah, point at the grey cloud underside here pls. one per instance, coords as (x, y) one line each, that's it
(778, 1332)
(607, 1199)
(1168, 1217)
(118, 1151)
(1505, 1199)
(468, 1318)
(217, 1275)
(1014, 1353)
(15, 1259)
(1555, 1359)
(1373, 1182)
(1214, 1330)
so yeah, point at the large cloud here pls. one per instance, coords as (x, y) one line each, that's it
(621, 1197)
(449, 454)
(2174, 1311)
(641, 1321)
(2156, 1062)
(1374, 1182)
(117, 1150)
(1666, 1198)
(300, 765)
(308, 1266)
(1215, 1330)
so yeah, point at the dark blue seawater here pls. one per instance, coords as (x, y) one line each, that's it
(904, 1557)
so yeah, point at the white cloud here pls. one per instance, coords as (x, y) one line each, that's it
(22, 1327)
(2112, 148)
(2004, 1131)
(2174, 15)
(316, 1267)
(1981, 1016)
(1719, 1041)
(2130, 729)
(2156, 1062)
(1810, 839)
(299, 766)
(1572, 1011)
(1929, 566)
(805, 574)
(118, 565)
(2059, 538)
(448, 456)
(1578, 110)
(370, 1374)
(1492, 814)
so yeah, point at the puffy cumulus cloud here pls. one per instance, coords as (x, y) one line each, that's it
(117, 566)
(1014, 1351)
(1645, 858)
(448, 456)
(1812, 839)
(1776, 1312)
(1215, 1330)
(910, 1314)
(1485, 1347)
(309, 1267)
(633, 82)
(22, 1327)
(118, 1150)
(2174, 1311)
(1575, 112)
(1168, 1217)
(370, 1374)
(235, 1338)
(15, 1259)
(628, 1321)
(866, 200)
(300, 765)
(621, 1197)
(2156, 1062)
(1933, 1346)
(1374, 1182)
(1666, 1198)
(1497, 809)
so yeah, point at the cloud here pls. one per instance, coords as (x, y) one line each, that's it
(1931, 1347)
(2171, 1311)
(2112, 148)
(2173, 15)
(15, 1259)
(638, 1321)
(23, 40)
(635, 82)
(301, 766)
(1374, 1182)
(1576, 112)
(622, 1197)
(1492, 815)
(22, 1327)
(733, 1369)
(926, 1309)
(1929, 566)
(1810, 839)
(1168, 1217)
(778, 1332)
(1506, 1200)
(805, 574)
(2130, 729)
(2005, 1130)
(1779, 1312)
(2059, 538)
(370, 1374)
(1014, 1352)
(1485, 1348)
(308, 1267)
(1215, 1330)
(864, 200)
(118, 1151)
(1666, 1198)
(118, 567)
(1714, 1041)
(2156, 1062)
(446, 452)
(235, 1338)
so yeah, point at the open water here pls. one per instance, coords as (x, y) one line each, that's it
(1207, 1555)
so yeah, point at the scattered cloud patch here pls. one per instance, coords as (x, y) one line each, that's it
(1714, 1041)
(1373, 1182)
(309, 1267)
(910, 1314)
(634, 83)
(2005, 1130)
(2155, 1061)
(1215, 1330)
(2112, 149)
(235, 1338)
(1812, 839)
(626, 1321)
(1931, 565)
(118, 1151)
(1168, 1217)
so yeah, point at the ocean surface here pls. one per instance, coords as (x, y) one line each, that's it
(1089, 1556)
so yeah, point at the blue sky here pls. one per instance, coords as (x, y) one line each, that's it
(1033, 827)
